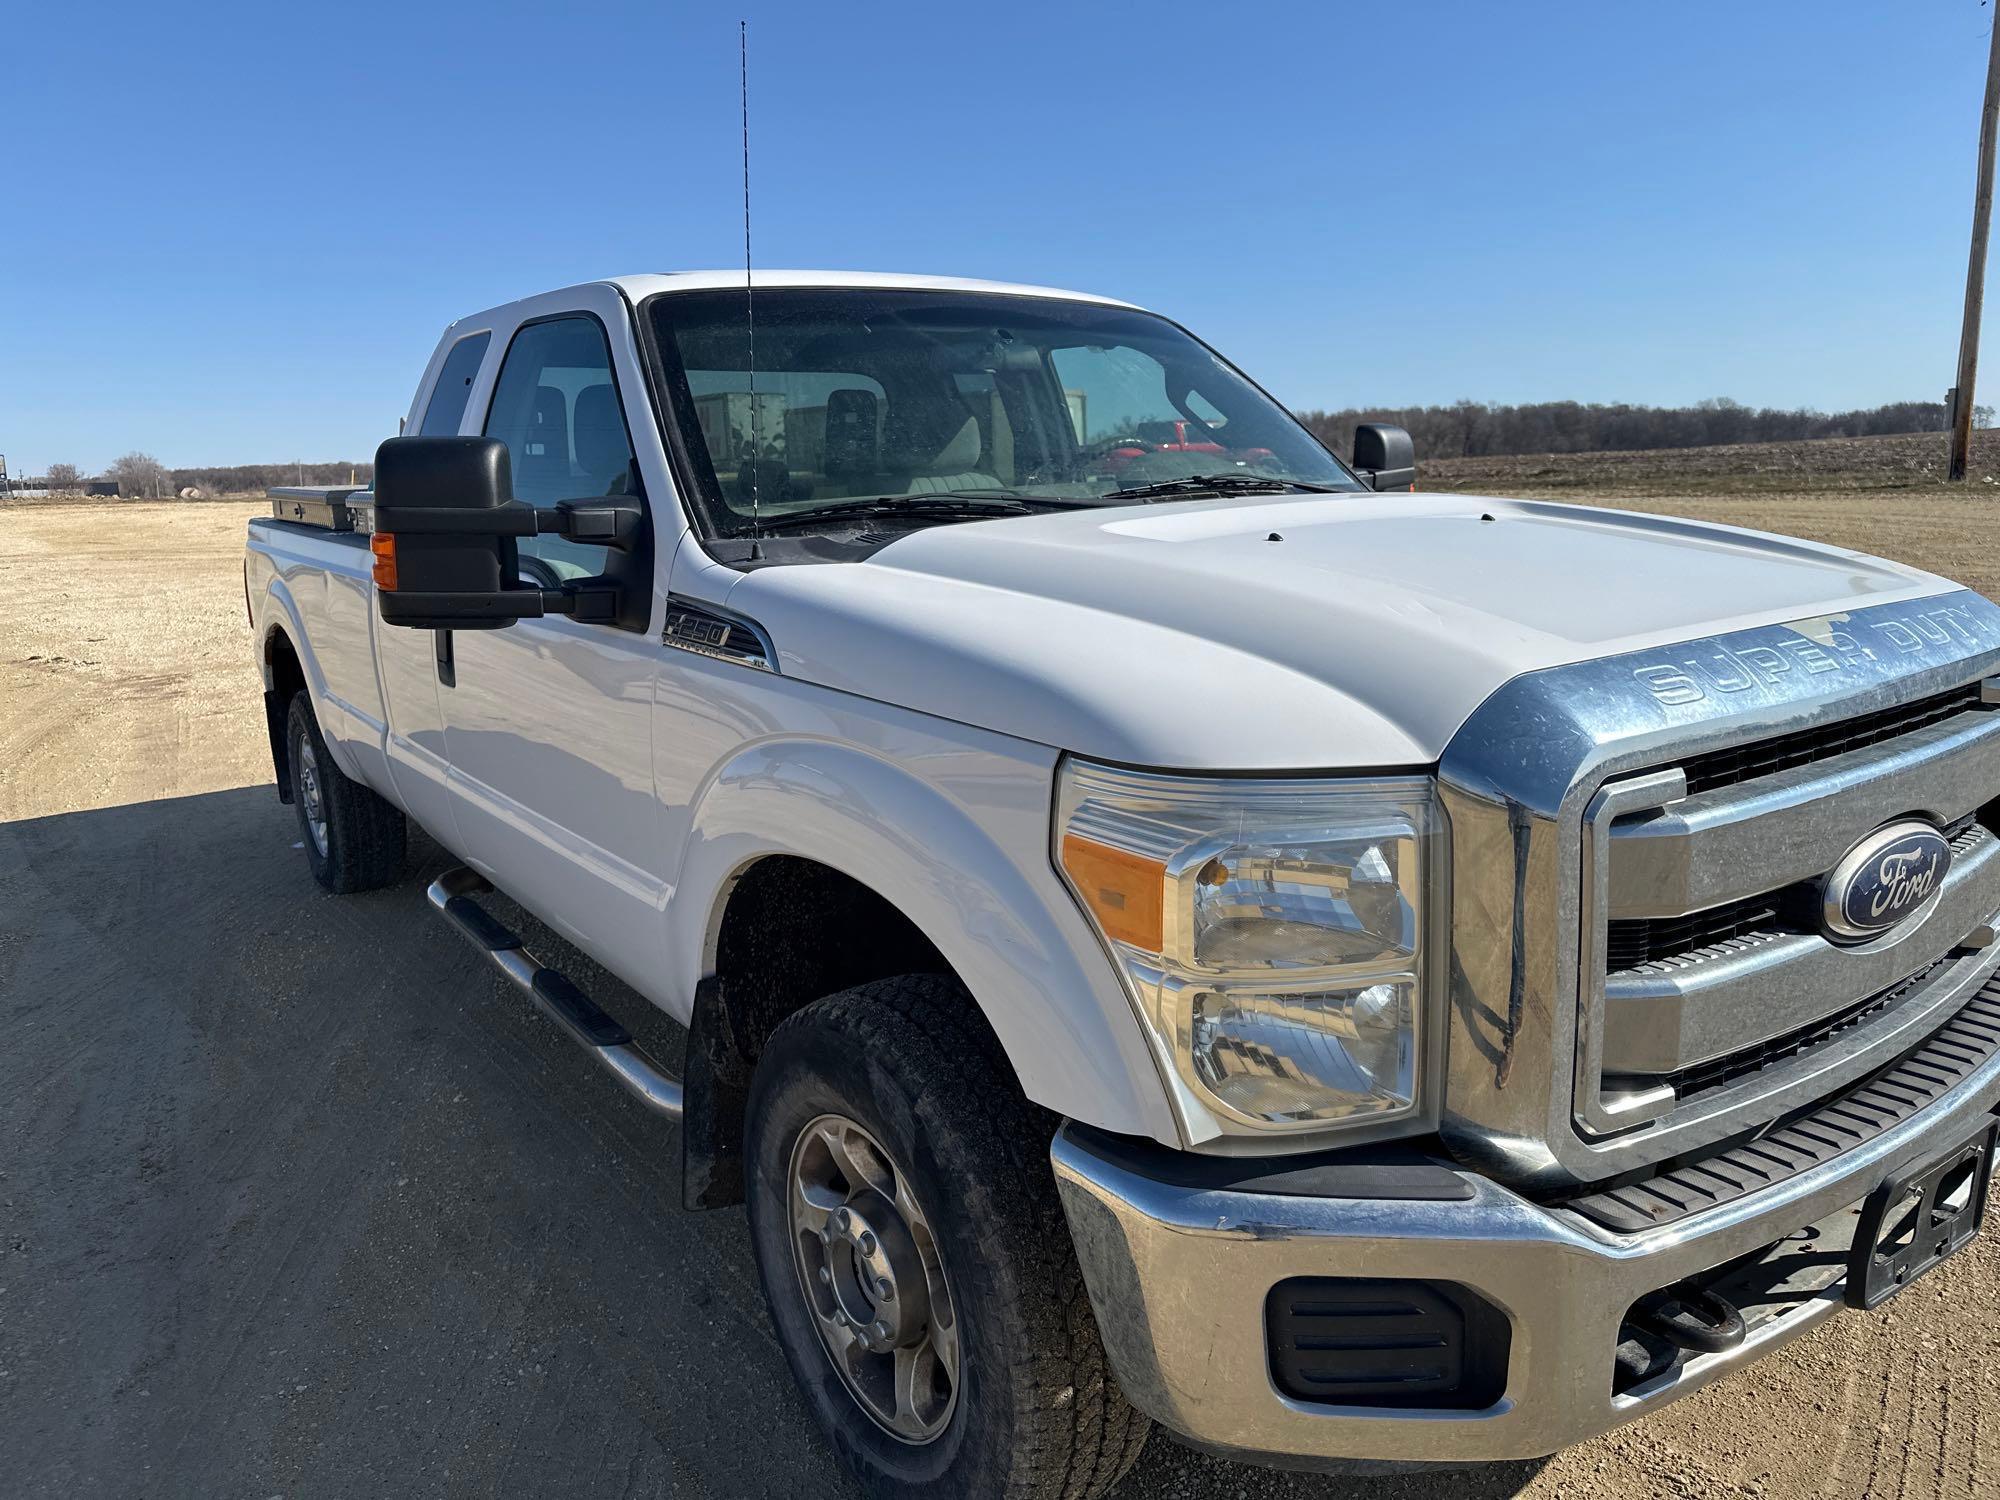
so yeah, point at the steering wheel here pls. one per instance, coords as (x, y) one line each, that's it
(1090, 452)
(535, 568)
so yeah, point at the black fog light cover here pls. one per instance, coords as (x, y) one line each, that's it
(1354, 1341)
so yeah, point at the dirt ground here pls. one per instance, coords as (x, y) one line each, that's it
(296, 1200)
(1879, 495)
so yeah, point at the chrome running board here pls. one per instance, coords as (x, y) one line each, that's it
(453, 893)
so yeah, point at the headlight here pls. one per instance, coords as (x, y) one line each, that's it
(1271, 931)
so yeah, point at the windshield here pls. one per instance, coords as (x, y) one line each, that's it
(863, 396)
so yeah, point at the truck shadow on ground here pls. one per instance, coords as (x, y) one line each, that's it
(309, 1202)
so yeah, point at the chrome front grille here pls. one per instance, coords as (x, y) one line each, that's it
(1688, 798)
(1709, 998)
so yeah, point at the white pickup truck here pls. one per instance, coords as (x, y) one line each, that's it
(1171, 927)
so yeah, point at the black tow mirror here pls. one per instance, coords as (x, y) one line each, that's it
(446, 524)
(1385, 457)
(447, 530)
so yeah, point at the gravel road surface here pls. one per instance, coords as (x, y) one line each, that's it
(296, 1199)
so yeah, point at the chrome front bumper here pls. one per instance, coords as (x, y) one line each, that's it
(1179, 1275)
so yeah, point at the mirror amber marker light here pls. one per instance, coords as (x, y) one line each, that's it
(383, 545)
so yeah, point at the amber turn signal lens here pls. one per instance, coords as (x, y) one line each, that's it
(1125, 892)
(383, 545)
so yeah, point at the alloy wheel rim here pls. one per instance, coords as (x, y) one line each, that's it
(873, 1279)
(310, 797)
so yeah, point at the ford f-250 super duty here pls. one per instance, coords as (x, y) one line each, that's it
(1171, 927)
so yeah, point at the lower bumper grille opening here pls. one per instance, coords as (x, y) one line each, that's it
(1358, 1341)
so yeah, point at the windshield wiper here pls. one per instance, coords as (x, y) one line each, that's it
(938, 505)
(1221, 484)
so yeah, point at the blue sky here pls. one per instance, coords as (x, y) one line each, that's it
(233, 233)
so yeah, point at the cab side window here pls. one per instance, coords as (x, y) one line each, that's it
(556, 408)
(454, 386)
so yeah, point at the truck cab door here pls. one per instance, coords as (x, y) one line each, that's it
(407, 659)
(549, 722)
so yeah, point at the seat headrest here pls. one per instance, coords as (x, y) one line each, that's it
(602, 451)
(929, 437)
(960, 454)
(541, 469)
(853, 440)
(549, 425)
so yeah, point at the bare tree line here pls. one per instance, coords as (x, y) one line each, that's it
(140, 476)
(1475, 429)
(253, 478)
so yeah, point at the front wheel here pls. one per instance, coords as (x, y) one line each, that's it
(354, 841)
(916, 1258)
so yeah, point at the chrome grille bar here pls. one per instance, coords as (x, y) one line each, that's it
(1662, 1018)
(1742, 840)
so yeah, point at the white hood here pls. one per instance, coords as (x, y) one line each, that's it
(1300, 632)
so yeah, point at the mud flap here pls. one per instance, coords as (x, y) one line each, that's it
(276, 706)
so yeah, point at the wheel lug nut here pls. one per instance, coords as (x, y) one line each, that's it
(885, 1290)
(825, 1276)
(867, 1243)
(842, 1219)
(882, 1331)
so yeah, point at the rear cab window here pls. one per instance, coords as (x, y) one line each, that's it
(446, 408)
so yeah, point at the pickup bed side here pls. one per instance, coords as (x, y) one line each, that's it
(311, 597)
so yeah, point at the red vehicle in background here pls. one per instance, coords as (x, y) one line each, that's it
(1172, 437)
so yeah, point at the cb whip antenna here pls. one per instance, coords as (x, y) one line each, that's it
(750, 292)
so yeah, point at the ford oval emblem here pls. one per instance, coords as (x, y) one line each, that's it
(1885, 879)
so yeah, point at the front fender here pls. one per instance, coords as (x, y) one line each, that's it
(967, 862)
(280, 614)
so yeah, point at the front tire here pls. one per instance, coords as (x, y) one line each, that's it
(916, 1259)
(354, 840)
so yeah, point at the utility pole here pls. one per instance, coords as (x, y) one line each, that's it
(1975, 271)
